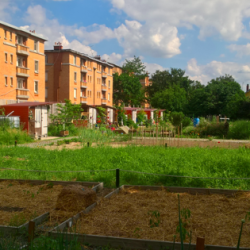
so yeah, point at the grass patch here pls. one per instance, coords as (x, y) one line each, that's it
(202, 162)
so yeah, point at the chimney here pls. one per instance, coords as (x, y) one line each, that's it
(97, 57)
(247, 87)
(58, 46)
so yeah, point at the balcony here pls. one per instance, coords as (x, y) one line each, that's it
(104, 101)
(104, 74)
(23, 72)
(21, 49)
(84, 69)
(104, 87)
(84, 84)
(83, 99)
(22, 93)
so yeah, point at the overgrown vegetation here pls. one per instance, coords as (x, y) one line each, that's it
(197, 162)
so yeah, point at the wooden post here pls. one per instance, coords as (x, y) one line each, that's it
(31, 231)
(200, 243)
(117, 178)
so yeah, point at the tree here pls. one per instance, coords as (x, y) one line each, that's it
(172, 99)
(221, 94)
(166, 79)
(127, 89)
(66, 113)
(135, 67)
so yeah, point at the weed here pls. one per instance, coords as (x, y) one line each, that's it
(155, 218)
(50, 185)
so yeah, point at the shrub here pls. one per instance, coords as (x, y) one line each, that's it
(186, 122)
(212, 129)
(239, 130)
(54, 129)
(188, 130)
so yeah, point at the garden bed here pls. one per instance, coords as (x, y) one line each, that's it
(22, 201)
(215, 216)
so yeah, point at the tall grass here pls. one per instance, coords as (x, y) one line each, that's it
(197, 162)
(8, 136)
(239, 130)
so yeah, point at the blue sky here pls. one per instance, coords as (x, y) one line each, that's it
(205, 38)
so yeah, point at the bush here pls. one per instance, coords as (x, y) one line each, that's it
(212, 129)
(54, 129)
(8, 136)
(186, 122)
(188, 130)
(239, 130)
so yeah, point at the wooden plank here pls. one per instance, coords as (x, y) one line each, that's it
(98, 187)
(31, 231)
(63, 183)
(200, 243)
(193, 191)
(126, 243)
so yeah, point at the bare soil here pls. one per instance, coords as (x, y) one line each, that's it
(130, 214)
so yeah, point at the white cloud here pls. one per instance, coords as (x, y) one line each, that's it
(113, 58)
(206, 15)
(7, 8)
(204, 73)
(242, 50)
(152, 67)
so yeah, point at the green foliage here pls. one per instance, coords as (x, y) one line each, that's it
(127, 89)
(134, 67)
(54, 129)
(8, 136)
(141, 117)
(17, 220)
(66, 113)
(101, 117)
(239, 130)
(213, 129)
(186, 121)
(154, 219)
(176, 118)
(199, 162)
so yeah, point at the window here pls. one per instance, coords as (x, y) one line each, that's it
(10, 36)
(46, 58)
(75, 93)
(46, 76)
(109, 83)
(11, 59)
(46, 92)
(6, 80)
(19, 83)
(5, 34)
(109, 70)
(109, 96)
(36, 87)
(74, 60)
(90, 78)
(83, 62)
(20, 40)
(36, 46)
(19, 62)
(75, 76)
(36, 67)
(6, 57)
(11, 81)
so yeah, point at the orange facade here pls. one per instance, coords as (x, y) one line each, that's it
(78, 77)
(145, 83)
(22, 64)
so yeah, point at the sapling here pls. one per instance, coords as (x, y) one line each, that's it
(247, 217)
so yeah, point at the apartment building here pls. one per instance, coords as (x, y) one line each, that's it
(22, 64)
(78, 77)
(145, 82)
(116, 68)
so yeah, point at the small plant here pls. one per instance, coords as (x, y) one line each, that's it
(155, 219)
(136, 232)
(10, 185)
(50, 185)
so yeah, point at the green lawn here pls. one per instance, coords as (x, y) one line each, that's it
(202, 162)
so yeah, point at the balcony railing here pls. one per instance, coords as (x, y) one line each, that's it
(22, 93)
(84, 69)
(83, 99)
(84, 84)
(21, 49)
(104, 101)
(21, 71)
(104, 87)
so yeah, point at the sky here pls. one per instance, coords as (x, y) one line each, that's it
(207, 39)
